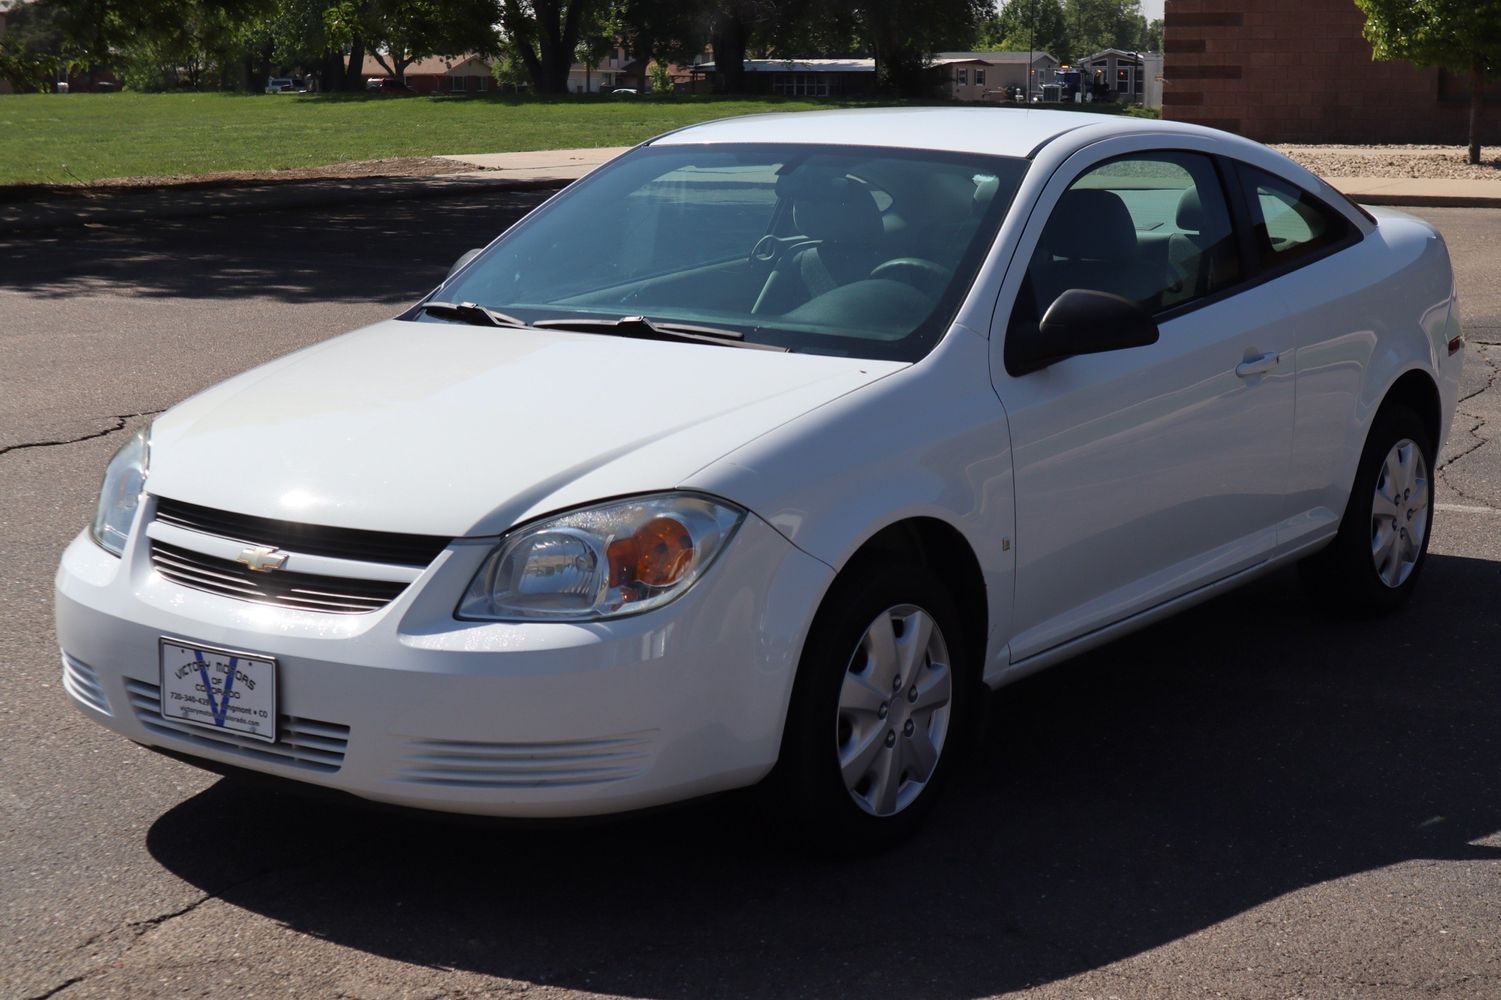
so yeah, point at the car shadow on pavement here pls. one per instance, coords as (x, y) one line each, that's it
(393, 251)
(1244, 750)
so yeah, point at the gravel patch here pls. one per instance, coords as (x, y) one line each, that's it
(1432, 162)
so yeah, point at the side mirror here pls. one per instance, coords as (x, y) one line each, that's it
(1080, 321)
(459, 264)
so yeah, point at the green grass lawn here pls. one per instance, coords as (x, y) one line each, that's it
(66, 138)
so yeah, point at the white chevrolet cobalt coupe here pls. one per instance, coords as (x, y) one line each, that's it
(761, 453)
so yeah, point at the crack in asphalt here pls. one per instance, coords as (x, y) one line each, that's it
(1473, 431)
(59, 988)
(121, 421)
(140, 928)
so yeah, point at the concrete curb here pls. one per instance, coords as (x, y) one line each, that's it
(1428, 200)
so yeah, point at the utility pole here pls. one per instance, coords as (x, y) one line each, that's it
(1031, 48)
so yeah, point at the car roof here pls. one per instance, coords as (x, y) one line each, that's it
(995, 131)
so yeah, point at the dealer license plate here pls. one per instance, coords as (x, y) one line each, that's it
(218, 689)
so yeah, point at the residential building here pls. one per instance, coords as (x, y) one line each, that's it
(1115, 75)
(1301, 71)
(611, 72)
(459, 74)
(804, 77)
(994, 76)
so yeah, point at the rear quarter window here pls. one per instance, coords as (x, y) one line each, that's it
(1290, 224)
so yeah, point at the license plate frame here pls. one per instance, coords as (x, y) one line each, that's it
(194, 680)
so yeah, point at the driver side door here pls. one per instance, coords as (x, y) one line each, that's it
(1143, 474)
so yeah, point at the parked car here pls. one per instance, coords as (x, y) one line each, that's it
(625, 92)
(280, 85)
(760, 453)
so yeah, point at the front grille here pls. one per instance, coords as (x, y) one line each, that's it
(302, 743)
(81, 681)
(311, 539)
(466, 764)
(303, 591)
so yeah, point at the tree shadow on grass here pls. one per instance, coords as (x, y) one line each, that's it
(1247, 749)
(392, 251)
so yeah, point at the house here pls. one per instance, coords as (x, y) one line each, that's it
(1116, 75)
(1304, 73)
(612, 71)
(804, 77)
(994, 76)
(460, 74)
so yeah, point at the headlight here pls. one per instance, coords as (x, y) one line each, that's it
(124, 482)
(615, 559)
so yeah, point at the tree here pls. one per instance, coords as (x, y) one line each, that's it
(661, 30)
(32, 48)
(1459, 35)
(903, 35)
(544, 34)
(1096, 25)
(1022, 25)
(399, 32)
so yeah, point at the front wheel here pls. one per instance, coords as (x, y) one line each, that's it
(1374, 562)
(882, 698)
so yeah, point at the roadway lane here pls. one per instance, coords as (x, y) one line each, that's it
(1250, 800)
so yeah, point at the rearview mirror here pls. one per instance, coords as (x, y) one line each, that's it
(1080, 321)
(458, 264)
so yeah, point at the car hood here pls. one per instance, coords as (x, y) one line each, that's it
(447, 429)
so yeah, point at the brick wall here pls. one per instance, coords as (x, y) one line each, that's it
(1300, 71)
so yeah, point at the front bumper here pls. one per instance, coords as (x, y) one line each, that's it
(409, 706)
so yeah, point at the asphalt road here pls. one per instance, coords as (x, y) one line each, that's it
(1252, 800)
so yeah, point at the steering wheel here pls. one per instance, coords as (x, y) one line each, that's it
(925, 275)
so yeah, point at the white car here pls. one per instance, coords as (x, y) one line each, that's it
(761, 452)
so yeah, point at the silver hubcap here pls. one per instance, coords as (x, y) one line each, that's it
(894, 710)
(1399, 513)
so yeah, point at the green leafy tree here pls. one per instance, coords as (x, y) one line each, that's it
(1095, 25)
(1459, 35)
(656, 31)
(32, 49)
(661, 80)
(544, 35)
(1022, 25)
(1152, 38)
(397, 33)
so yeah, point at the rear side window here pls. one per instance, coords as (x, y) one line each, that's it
(1289, 223)
(1151, 227)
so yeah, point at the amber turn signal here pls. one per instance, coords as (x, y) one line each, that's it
(657, 555)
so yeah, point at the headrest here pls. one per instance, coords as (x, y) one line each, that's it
(985, 189)
(943, 199)
(1090, 224)
(1191, 211)
(838, 210)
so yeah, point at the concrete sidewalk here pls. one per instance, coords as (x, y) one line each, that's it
(505, 171)
(1420, 191)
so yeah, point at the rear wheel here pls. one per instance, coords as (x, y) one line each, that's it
(883, 695)
(1375, 560)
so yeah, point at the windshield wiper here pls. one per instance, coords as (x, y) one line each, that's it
(471, 312)
(641, 328)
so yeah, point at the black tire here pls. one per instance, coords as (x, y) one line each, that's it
(1345, 574)
(808, 783)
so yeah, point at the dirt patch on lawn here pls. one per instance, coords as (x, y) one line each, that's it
(398, 166)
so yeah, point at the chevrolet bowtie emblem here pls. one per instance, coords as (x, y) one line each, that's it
(262, 559)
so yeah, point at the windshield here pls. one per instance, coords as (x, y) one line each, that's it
(854, 251)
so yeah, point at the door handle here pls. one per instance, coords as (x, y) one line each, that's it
(1257, 366)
